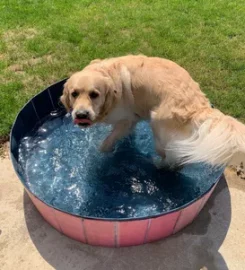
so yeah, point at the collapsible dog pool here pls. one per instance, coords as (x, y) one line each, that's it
(114, 199)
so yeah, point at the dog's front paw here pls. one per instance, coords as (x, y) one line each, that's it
(106, 146)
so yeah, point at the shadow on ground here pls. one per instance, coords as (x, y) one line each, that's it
(195, 247)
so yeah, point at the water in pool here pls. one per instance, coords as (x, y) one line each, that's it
(63, 167)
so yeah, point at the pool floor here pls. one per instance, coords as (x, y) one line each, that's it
(63, 167)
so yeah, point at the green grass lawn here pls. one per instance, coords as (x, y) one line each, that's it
(43, 41)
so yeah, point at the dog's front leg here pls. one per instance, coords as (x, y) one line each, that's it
(120, 129)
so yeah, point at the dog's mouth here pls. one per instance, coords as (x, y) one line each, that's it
(83, 122)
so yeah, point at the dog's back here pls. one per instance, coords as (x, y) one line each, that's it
(185, 127)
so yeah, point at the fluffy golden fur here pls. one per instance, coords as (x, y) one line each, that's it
(130, 88)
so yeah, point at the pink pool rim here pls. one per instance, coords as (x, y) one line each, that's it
(120, 233)
(97, 231)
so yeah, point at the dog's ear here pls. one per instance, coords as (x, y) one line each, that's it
(122, 80)
(120, 75)
(118, 87)
(111, 97)
(126, 82)
(65, 99)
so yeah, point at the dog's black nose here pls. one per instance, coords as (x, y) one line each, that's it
(82, 115)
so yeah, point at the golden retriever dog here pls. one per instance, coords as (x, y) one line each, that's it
(124, 90)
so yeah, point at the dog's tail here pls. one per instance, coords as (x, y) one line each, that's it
(219, 141)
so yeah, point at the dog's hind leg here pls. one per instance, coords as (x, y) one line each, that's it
(160, 143)
(162, 136)
(166, 132)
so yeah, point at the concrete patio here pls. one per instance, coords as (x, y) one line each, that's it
(215, 240)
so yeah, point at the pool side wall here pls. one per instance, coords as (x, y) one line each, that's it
(120, 233)
(92, 231)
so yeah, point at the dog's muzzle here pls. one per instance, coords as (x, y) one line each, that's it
(82, 119)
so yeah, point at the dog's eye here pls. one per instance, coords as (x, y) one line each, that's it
(93, 94)
(74, 94)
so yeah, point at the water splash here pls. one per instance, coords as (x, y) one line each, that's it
(64, 168)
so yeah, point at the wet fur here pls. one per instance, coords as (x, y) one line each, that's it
(185, 127)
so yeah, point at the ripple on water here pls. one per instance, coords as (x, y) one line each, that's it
(64, 168)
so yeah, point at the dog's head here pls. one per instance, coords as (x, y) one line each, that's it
(90, 95)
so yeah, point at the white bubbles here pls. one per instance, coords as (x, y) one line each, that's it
(63, 167)
(136, 185)
(151, 188)
(42, 130)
